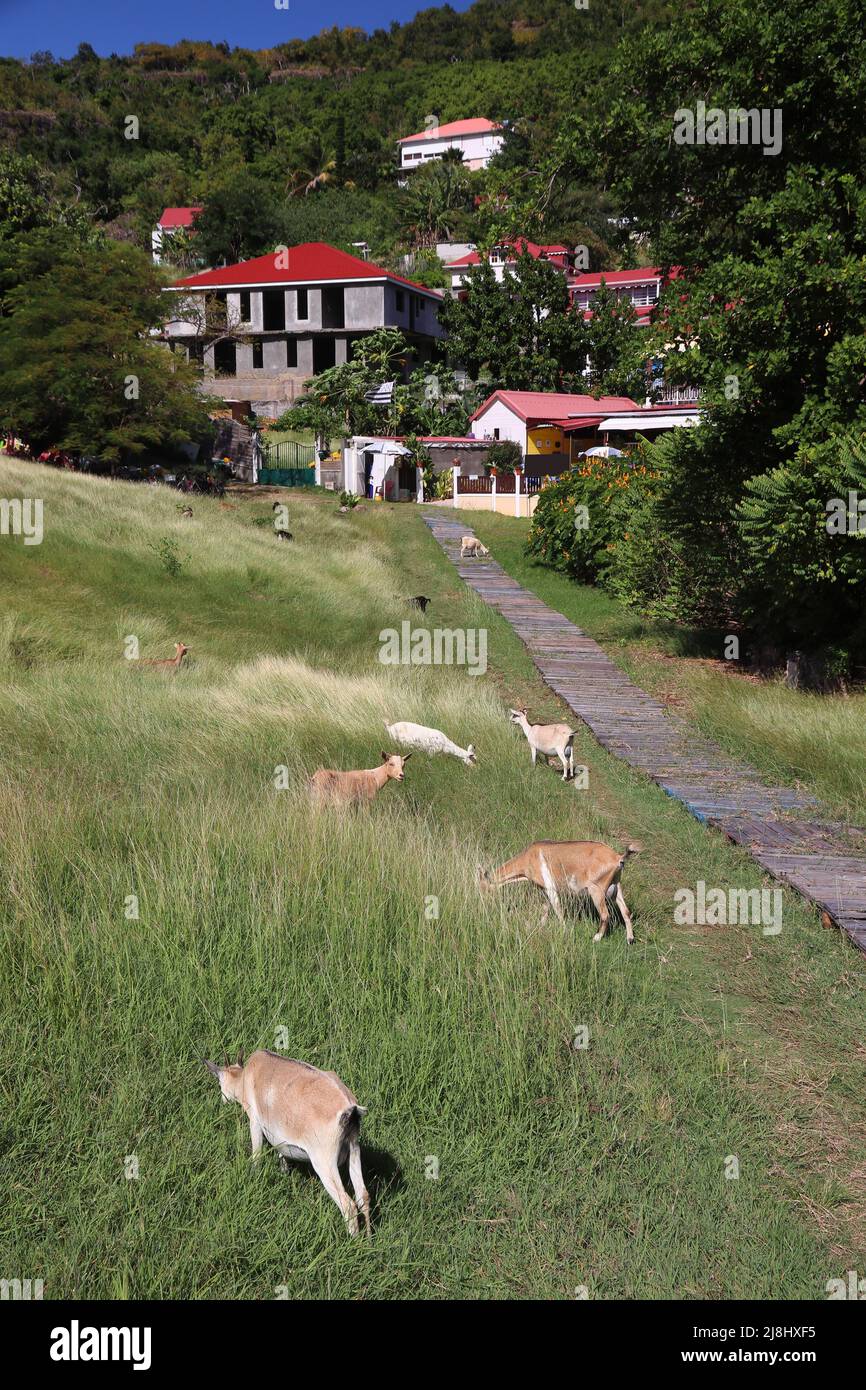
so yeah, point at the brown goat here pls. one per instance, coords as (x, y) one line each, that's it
(573, 866)
(168, 663)
(334, 788)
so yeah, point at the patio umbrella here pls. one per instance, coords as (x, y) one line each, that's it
(602, 451)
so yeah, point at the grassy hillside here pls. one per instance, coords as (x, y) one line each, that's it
(263, 924)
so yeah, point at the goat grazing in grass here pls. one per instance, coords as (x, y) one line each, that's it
(168, 663)
(551, 740)
(419, 601)
(356, 788)
(570, 866)
(305, 1114)
(471, 545)
(425, 740)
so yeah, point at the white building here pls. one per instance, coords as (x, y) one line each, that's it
(502, 259)
(477, 140)
(171, 220)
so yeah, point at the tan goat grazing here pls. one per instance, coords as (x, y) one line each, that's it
(569, 866)
(356, 788)
(305, 1114)
(471, 545)
(168, 663)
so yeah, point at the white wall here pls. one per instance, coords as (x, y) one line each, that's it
(499, 416)
(477, 150)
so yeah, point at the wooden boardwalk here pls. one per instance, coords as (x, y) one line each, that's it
(824, 860)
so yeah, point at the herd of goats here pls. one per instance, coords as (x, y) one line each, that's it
(310, 1115)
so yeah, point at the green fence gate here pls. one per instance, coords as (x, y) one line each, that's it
(288, 464)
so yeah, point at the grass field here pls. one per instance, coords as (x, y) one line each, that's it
(503, 1160)
(794, 737)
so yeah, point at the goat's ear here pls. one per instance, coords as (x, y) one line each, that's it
(385, 756)
(406, 757)
(212, 1067)
(240, 1059)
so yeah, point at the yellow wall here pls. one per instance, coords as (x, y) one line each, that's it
(545, 440)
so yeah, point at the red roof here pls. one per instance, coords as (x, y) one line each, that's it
(557, 406)
(311, 262)
(592, 280)
(477, 126)
(178, 217)
(518, 245)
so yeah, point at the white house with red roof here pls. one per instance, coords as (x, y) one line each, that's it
(265, 326)
(171, 220)
(552, 427)
(478, 140)
(502, 259)
(640, 288)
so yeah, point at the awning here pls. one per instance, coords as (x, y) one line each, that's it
(650, 420)
(380, 446)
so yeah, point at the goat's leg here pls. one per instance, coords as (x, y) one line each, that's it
(626, 915)
(534, 751)
(329, 1175)
(257, 1135)
(362, 1196)
(550, 890)
(598, 897)
(562, 754)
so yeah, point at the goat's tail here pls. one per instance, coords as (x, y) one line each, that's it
(350, 1120)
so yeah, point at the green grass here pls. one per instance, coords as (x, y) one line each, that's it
(793, 737)
(262, 924)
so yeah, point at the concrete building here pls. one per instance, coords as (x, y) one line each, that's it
(477, 140)
(263, 327)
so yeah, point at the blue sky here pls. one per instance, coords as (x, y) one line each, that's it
(114, 26)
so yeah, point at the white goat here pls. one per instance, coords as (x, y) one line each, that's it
(471, 545)
(306, 1114)
(429, 741)
(551, 740)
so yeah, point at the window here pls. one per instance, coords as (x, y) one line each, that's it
(303, 307)
(496, 434)
(324, 354)
(245, 306)
(225, 358)
(273, 311)
(333, 307)
(401, 301)
(292, 352)
(258, 355)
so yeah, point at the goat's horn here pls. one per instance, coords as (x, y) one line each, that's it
(240, 1059)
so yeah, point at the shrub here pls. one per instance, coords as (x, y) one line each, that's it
(506, 456)
(581, 516)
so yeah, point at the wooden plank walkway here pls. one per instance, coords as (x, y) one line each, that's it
(824, 860)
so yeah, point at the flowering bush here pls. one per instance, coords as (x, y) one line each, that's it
(582, 516)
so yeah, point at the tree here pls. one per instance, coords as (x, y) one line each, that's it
(79, 369)
(616, 347)
(521, 328)
(434, 198)
(240, 220)
(767, 314)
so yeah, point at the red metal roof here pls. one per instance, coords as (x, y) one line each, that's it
(517, 245)
(556, 405)
(178, 217)
(311, 262)
(477, 126)
(592, 279)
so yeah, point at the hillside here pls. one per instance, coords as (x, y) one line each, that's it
(360, 942)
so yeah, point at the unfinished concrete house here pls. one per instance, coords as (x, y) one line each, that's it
(263, 327)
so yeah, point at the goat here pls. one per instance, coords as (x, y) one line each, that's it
(305, 1114)
(574, 866)
(169, 662)
(284, 535)
(429, 741)
(471, 545)
(548, 739)
(419, 601)
(356, 788)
